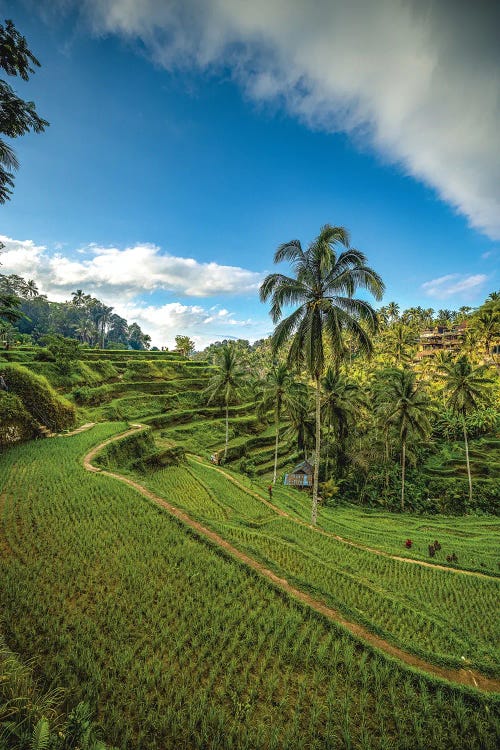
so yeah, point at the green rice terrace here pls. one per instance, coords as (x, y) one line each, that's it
(190, 606)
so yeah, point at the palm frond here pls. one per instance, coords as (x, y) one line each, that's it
(290, 251)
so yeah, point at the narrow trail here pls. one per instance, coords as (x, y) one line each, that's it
(82, 428)
(331, 535)
(468, 677)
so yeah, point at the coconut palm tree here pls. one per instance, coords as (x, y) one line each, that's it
(466, 389)
(227, 383)
(341, 400)
(403, 404)
(323, 286)
(393, 311)
(79, 298)
(278, 388)
(486, 323)
(31, 288)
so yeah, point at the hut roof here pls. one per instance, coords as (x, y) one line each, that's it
(303, 468)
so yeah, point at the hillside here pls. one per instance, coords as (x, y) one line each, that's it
(179, 624)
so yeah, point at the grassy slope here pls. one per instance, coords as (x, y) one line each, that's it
(474, 539)
(433, 613)
(181, 647)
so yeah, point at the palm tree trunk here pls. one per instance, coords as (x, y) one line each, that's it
(227, 430)
(403, 467)
(467, 457)
(386, 461)
(328, 451)
(277, 421)
(314, 514)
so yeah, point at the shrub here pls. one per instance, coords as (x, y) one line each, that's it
(38, 397)
(42, 354)
(158, 459)
(16, 423)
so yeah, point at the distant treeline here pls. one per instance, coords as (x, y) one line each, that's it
(85, 318)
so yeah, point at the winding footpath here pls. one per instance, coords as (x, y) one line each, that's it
(463, 676)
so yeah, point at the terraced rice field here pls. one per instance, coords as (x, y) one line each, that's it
(181, 646)
(437, 614)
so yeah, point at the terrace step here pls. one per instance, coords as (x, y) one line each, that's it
(44, 431)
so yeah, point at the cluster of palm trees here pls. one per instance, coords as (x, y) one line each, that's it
(312, 348)
(24, 310)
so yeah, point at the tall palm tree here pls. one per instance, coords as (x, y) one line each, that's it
(341, 400)
(31, 288)
(467, 389)
(277, 389)
(393, 311)
(79, 298)
(486, 323)
(323, 286)
(403, 404)
(227, 383)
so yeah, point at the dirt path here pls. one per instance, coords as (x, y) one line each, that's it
(82, 428)
(467, 677)
(338, 538)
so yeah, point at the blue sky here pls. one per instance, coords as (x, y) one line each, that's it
(175, 164)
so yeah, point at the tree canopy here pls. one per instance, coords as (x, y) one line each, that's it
(17, 116)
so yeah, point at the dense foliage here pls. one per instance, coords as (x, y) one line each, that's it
(86, 319)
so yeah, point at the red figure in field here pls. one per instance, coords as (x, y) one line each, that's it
(270, 490)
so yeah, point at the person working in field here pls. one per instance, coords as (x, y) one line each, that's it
(3, 384)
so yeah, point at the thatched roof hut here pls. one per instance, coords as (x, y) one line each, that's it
(301, 476)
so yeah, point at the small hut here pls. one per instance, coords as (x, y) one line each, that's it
(301, 476)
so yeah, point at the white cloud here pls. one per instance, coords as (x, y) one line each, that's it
(455, 284)
(129, 272)
(203, 325)
(23, 257)
(415, 79)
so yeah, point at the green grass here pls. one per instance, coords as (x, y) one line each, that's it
(179, 646)
(438, 615)
(474, 539)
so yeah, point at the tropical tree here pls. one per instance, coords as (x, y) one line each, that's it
(486, 323)
(8, 334)
(444, 317)
(184, 345)
(10, 308)
(467, 389)
(137, 339)
(17, 117)
(31, 288)
(393, 311)
(340, 403)
(300, 419)
(118, 330)
(227, 383)
(323, 286)
(79, 298)
(278, 388)
(403, 404)
(399, 342)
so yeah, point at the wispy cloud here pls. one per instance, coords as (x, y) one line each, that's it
(416, 80)
(455, 284)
